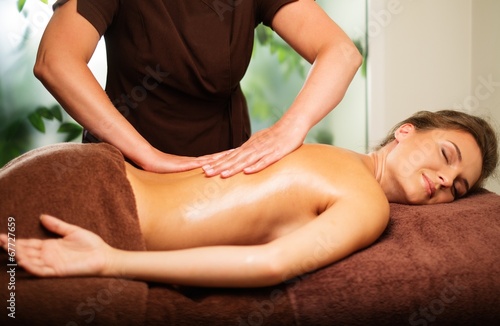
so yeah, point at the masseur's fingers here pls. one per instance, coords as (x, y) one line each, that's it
(160, 162)
(261, 150)
(167, 163)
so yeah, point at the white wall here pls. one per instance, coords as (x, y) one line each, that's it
(348, 120)
(432, 54)
(486, 64)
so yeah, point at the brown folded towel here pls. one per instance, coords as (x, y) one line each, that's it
(434, 265)
(97, 196)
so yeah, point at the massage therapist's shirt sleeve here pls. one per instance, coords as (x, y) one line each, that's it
(99, 13)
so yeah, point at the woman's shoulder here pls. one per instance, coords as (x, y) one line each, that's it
(328, 155)
(344, 169)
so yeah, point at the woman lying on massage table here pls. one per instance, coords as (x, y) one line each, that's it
(314, 207)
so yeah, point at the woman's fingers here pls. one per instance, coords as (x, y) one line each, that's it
(56, 225)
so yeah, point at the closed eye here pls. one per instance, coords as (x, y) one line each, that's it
(445, 156)
(453, 188)
(463, 182)
(454, 191)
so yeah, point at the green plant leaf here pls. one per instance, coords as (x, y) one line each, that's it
(262, 35)
(45, 113)
(37, 121)
(68, 127)
(45, 1)
(324, 136)
(72, 130)
(20, 4)
(56, 112)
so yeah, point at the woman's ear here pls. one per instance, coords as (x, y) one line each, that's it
(404, 131)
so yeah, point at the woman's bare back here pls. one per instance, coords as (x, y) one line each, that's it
(185, 210)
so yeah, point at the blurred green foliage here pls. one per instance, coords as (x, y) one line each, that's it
(275, 76)
(21, 3)
(16, 133)
(20, 126)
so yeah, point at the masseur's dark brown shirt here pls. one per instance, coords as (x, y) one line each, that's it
(174, 67)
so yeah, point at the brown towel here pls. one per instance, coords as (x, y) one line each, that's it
(434, 265)
(95, 195)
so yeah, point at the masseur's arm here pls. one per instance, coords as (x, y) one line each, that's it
(333, 235)
(335, 60)
(66, 47)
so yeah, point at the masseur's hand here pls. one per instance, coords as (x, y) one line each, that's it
(159, 162)
(261, 150)
(78, 253)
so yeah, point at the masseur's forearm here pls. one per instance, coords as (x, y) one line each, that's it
(327, 82)
(221, 266)
(74, 86)
(334, 57)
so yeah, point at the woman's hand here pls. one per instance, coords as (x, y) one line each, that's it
(78, 253)
(261, 150)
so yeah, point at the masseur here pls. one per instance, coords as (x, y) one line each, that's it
(315, 206)
(174, 71)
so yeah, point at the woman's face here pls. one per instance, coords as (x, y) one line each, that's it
(433, 166)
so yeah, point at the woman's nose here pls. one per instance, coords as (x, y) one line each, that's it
(446, 177)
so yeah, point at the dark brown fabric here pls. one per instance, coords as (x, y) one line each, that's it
(219, 307)
(434, 265)
(174, 67)
(47, 180)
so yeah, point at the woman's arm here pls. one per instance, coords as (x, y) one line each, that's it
(66, 47)
(333, 235)
(340, 231)
(335, 60)
(80, 252)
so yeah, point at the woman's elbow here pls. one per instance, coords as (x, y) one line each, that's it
(274, 273)
(277, 270)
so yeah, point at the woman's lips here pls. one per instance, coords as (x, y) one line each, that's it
(429, 186)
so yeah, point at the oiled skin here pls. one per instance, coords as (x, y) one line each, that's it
(188, 209)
